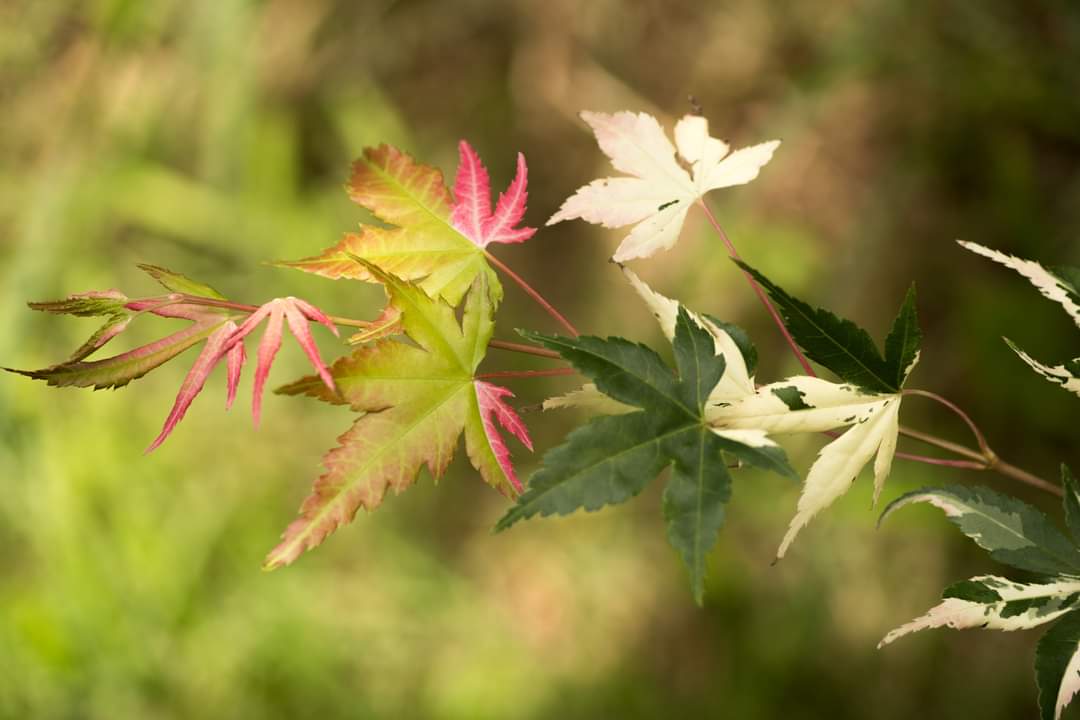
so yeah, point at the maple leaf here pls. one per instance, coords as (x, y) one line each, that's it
(614, 457)
(659, 191)
(438, 239)
(227, 343)
(741, 410)
(1060, 284)
(869, 398)
(277, 312)
(1019, 535)
(416, 401)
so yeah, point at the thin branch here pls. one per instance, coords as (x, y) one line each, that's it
(758, 291)
(526, 349)
(989, 461)
(1003, 468)
(944, 444)
(967, 464)
(527, 373)
(979, 437)
(533, 294)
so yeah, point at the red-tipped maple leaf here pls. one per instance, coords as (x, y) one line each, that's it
(472, 215)
(216, 347)
(435, 240)
(416, 400)
(227, 343)
(296, 313)
(492, 409)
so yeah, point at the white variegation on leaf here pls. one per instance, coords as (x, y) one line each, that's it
(658, 193)
(1070, 682)
(1059, 374)
(1046, 282)
(753, 438)
(1052, 287)
(841, 461)
(828, 405)
(1008, 606)
(736, 382)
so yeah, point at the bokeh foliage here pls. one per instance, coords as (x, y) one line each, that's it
(210, 135)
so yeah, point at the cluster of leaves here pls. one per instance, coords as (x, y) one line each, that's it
(412, 376)
(1022, 537)
(414, 399)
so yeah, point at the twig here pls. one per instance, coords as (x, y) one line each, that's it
(759, 292)
(533, 294)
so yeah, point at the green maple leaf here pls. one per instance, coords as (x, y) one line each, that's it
(417, 400)
(613, 458)
(845, 348)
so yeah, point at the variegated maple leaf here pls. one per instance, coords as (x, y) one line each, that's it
(659, 190)
(438, 239)
(1021, 536)
(1062, 285)
(416, 400)
(740, 410)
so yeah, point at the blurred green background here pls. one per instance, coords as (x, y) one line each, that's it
(210, 135)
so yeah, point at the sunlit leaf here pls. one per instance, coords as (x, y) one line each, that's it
(657, 190)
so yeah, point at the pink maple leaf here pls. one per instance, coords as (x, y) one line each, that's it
(217, 347)
(492, 410)
(227, 342)
(472, 215)
(296, 312)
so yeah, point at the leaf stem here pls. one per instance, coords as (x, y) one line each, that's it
(944, 444)
(758, 291)
(240, 307)
(533, 294)
(1003, 468)
(527, 373)
(988, 461)
(979, 437)
(526, 349)
(967, 464)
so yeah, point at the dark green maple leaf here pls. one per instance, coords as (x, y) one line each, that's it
(845, 348)
(613, 458)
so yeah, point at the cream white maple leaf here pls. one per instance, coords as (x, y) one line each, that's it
(740, 410)
(659, 190)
